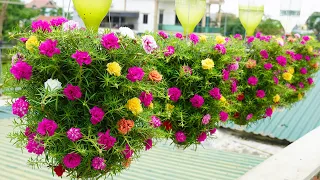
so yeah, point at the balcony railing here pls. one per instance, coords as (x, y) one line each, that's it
(178, 28)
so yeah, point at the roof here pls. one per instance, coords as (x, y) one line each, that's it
(46, 18)
(41, 3)
(290, 124)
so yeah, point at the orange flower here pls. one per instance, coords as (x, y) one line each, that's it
(124, 126)
(154, 75)
(316, 65)
(251, 63)
(127, 163)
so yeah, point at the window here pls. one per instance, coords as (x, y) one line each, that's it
(177, 22)
(145, 19)
(289, 13)
(161, 17)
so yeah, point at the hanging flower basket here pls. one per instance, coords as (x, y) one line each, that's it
(90, 103)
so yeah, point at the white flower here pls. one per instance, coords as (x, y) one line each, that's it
(149, 44)
(297, 36)
(125, 31)
(70, 25)
(52, 84)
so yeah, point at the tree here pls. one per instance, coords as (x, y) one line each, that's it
(232, 25)
(2, 16)
(270, 27)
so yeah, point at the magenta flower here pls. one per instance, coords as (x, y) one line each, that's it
(34, 146)
(21, 70)
(234, 87)
(206, 119)
(169, 51)
(267, 66)
(98, 163)
(238, 36)
(253, 80)
(223, 116)
(20, 107)
(260, 94)
(250, 39)
(212, 131)
(303, 71)
(197, 101)
(220, 48)
(275, 80)
(298, 57)
(146, 98)
(58, 21)
(249, 116)
(301, 85)
(174, 93)
(225, 75)
(27, 132)
(40, 25)
(194, 38)
(72, 160)
(49, 48)
(74, 134)
(163, 34)
(215, 93)
(105, 140)
(258, 35)
(303, 42)
(128, 152)
(282, 61)
(72, 92)
(82, 57)
(97, 115)
(310, 81)
(148, 143)
(187, 69)
(202, 137)
(180, 137)
(269, 112)
(47, 127)
(264, 54)
(179, 36)
(155, 122)
(307, 58)
(306, 38)
(110, 41)
(233, 66)
(23, 39)
(135, 74)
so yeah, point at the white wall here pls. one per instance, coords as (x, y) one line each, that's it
(169, 13)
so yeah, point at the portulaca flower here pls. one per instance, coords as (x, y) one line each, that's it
(125, 31)
(70, 25)
(52, 84)
(149, 44)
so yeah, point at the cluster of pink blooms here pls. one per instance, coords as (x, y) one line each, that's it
(43, 26)
(180, 136)
(163, 34)
(268, 66)
(174, 93)
(146, 98)
(35, 146)
(58, 21)
(72, 160)
(98, 163)
(21, 70)
(264, 54)
(20, 107)
(128, 152)
(82, 57)
(252, 80)
(215, 93)
(135, 74)
(220, 48)
(179, 36)
(282, 61)
(194, 38)
(202, 137)
(105, 140)
(223, 116)
(260, 94)
(49, 48)
(47, 127)
(110, 41)
(155, 122)
(72, 92)
(169, 51)
(206, 119)
(148, 143)
(97, 115)
(197, 101)
(225, 75)
(238, 36)
(74, 134)
(149, 44)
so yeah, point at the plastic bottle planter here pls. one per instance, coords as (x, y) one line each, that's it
(189, 13)
(250, 14)
(92, 12)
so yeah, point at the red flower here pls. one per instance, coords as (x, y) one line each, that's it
(236, 115)
(59, 170)
(240, 97)
(167, 125)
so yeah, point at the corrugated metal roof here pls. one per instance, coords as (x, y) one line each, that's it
(162, 162)
(291, 124)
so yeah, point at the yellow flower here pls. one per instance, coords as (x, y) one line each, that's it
(273, 108)
(276, 98)
(207, 63)
(220, 40)
(310, 49)
(291, 70)
(287, 76)
(134, 105)
(203, 38)
(169, 107)
(114, 68)
(223, 99)
(150, 106)
(300, 96)
(32, 42)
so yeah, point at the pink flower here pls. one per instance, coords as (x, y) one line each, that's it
(215, 93)
(303, 71)
(16, 58)
(206, 119)
(234, 87)
(23, 39)
(58, 21)
(212, 131)
(82, 57)
(97, 115)
(282, 61)
(307, 58)
(72, 92)
(128, 152)
(155, 122)
(275, 80)
(233, 66)
(47, 127)
(194, 38)
(269, 112)
(202, 137)
(169, 52)
(258, 35)
(20, 107)
(72, 160)
(70, 25)
(197, 101)
(250, 39)
(98, 163)
(74, 134)
(225, 75)
(174, 93)
(135, 74)
(187, 69)
(223, 116)
(310, 81)
(149, 44)
(163, 34)
(260, 94)
(110, 41)
(105, 140)
(264, 54)
(268, 66)
(306, 38)
(40, 25)
(180, 137)
(297, 36)
(297, 57)
(27, 132)
(146, 98)
(303, 42)
(253, 81)
(220, 48)
(301, 85)
(179, 36)
(21, 70)
(49, 48)
(238, 36)
(249, 116)
(148, 143)
(34, 146)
